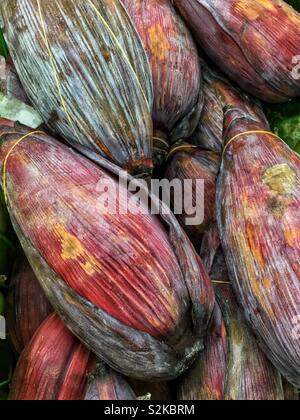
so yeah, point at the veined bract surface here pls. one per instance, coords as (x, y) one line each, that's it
(131, 288)
(256, 42)
(176, 71)
(85, 70)
(258, 212)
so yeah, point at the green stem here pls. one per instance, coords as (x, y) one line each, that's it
(3, 384)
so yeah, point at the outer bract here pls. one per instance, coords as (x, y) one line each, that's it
(135, 292)
(175, 68)
(85, 70)
(12, 85)
(27, 306)
(290, 393)
(219, 92)
(192, 166)
(256, 42)
(105, 384)
(258, 210)
(206, 379)
(249, 374)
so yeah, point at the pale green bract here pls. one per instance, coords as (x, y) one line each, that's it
(15, 110)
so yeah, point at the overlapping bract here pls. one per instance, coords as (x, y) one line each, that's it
(85, 70)
(135, 293)
(54, 366)
(27, 306)
(256, 42)
(175, 66)
(258, 213)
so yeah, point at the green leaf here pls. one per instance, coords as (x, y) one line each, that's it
(294, 3)
(3, 47)
(15, 110)
(285, 122)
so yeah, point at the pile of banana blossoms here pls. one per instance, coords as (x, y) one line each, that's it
(134, 292)
(255, 42)
(258, 218)
(258, 214)
(85, 70)
(117, 81)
